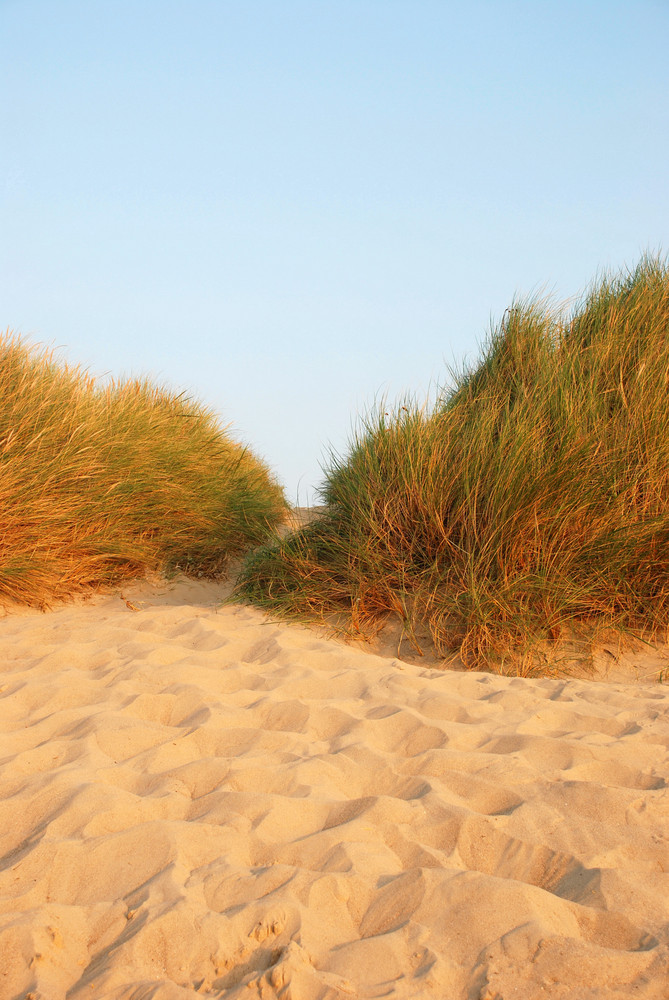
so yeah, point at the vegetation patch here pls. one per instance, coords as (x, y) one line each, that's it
(530, 505)
(103, 482)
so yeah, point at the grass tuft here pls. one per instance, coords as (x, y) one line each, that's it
(530, 505)
(101, 483)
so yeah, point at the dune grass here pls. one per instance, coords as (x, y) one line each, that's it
(103, 482)
(529, 505)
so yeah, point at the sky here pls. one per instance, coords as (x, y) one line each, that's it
(293, 209)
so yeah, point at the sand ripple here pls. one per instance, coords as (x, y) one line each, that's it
(202, 803)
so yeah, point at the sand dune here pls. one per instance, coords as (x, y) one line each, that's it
(199, 802)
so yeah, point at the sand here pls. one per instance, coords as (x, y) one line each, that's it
(198, 802)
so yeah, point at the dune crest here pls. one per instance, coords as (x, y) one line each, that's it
(197, 801)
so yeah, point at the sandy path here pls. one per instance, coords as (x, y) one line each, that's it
(198, 802)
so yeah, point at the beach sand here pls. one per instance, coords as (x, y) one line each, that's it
(196, 801)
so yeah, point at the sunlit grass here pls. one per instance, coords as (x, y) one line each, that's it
(530, 505)
(98, 483)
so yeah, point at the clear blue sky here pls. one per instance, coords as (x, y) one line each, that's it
(289, 208)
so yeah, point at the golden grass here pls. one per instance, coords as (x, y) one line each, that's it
(99, 483)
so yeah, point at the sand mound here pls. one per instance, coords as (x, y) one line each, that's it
(199, 802)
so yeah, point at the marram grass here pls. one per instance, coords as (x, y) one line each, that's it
(531, 504)
(100, 483)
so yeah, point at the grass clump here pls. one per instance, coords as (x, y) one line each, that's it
(103, 482)
(530, 504)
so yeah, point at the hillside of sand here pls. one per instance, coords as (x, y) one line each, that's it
(199, 802)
